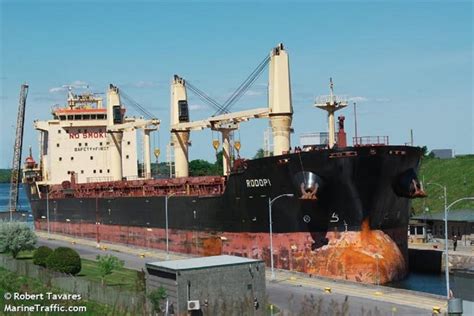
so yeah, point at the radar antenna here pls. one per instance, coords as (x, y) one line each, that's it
(331, 104)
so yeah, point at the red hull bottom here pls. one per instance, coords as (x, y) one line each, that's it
(368, 256)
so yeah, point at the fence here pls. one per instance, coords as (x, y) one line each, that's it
(117, 297)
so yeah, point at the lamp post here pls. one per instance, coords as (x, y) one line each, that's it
(446, 210)
(166, 223)
(47, 212)
(270, 203)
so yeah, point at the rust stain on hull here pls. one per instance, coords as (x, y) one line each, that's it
(368, 256)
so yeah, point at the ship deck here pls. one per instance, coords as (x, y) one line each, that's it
(189, 186)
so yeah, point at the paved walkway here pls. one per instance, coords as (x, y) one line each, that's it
(461, 249)
(389, 299)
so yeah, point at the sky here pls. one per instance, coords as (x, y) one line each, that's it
(407, 64)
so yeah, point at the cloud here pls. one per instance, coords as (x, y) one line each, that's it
(197, 107)
(252, 93)
(57, 89)
(358, 99)
(77, 84)
(144, 84)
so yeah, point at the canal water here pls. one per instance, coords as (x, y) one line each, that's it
(429, 283)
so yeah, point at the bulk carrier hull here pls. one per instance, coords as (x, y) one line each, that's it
(348, 213)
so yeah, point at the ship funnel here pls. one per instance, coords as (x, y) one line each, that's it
(114, 138)
(179, 113)
(279, 102)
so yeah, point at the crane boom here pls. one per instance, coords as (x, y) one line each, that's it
(16, 166)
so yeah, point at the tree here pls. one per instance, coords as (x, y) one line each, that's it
(259, 154)
(201, 167)
(219, 162)
(156, 297)
(15, 237)
(107, 264)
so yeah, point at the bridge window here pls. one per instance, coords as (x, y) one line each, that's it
(87, 116)
(62, 117)
(70, 117)
(100, 116)
(93, 117)
(78, 117)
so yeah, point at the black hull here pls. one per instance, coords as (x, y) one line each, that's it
(354, 184)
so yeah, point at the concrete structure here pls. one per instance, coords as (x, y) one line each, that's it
(216, 285)
(417, 232)
(279, 98)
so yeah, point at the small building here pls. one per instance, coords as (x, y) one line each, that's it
(442, 153)
(417, 232)
(460, 223)
(216, 285)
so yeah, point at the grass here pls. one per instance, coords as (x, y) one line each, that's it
(120, 277)
(457, 174)
(11, 283)
(25, 255)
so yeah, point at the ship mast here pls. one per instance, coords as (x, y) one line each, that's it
(331, 104)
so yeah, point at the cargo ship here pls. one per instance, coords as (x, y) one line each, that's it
(333, 210)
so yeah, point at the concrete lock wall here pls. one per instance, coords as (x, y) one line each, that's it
(222, 290)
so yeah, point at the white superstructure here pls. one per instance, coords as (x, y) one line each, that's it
(83, 139)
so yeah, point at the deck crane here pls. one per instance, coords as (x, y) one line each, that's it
(279, 111)
(16, 166)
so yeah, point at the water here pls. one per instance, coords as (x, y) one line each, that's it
(23, 203)
(423, 282)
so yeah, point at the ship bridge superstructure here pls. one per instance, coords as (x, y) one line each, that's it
(87, 142)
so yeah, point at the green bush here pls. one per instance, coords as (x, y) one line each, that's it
(41, 254)
(64, 260)
(156, 297)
